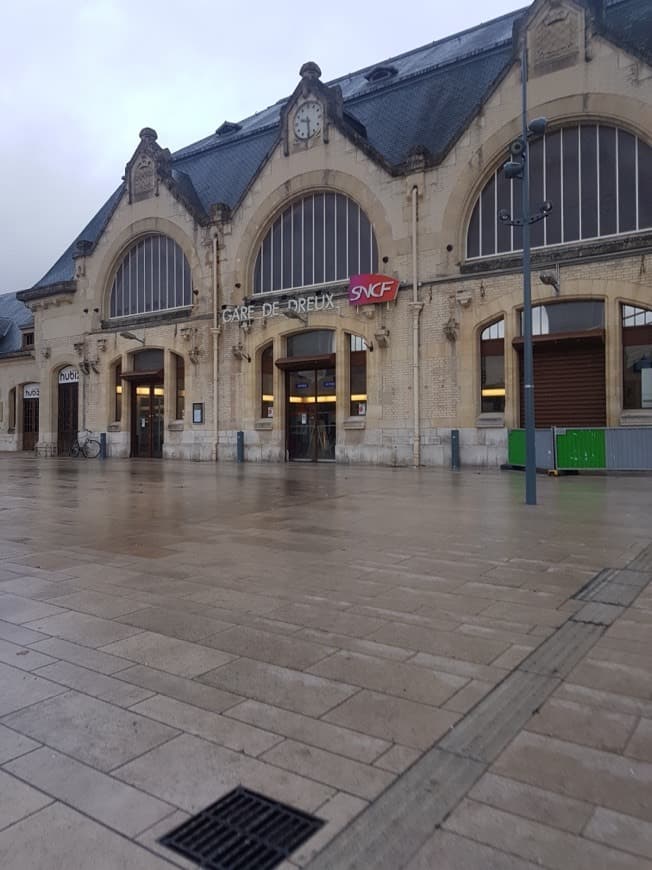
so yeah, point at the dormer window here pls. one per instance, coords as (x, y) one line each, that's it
(28, 340)
(381, 73)
(227, 128)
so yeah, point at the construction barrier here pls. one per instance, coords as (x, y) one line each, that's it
(565, 449)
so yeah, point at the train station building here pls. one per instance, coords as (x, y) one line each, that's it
(331, 276)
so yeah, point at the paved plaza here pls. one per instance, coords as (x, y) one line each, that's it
(356, 642)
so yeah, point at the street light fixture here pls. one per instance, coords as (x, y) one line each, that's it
(517, 168)
(132, 337)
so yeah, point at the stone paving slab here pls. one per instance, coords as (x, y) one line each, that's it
(283, 630)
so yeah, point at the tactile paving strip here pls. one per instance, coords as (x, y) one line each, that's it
(395, 827)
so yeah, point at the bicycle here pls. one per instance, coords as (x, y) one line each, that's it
(89, 448)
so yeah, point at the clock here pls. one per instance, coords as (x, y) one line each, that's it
(308, 120)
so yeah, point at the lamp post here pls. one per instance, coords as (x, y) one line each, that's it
(517, 167)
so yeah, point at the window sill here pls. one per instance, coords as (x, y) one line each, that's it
(355, 423)
(636, 417)
(175, 426)
(114, 427)
(490, 421)
(264, 424)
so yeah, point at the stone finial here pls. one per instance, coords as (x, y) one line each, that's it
(310, 70)
(148, 134)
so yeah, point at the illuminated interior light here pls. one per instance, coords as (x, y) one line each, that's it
(267, 397)
(159, 391)
(493, 391)
(359, 397)
(118, 390)
(310, 400)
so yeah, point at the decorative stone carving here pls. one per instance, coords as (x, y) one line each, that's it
(143, 180)
(149, 164)
(556, 39)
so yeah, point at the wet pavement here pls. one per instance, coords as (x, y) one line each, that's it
(170, 630)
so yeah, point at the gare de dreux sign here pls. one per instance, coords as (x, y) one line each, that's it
(363, 290)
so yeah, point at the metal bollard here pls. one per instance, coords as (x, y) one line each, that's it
(239, 444)
(102, 445)
(455, 448)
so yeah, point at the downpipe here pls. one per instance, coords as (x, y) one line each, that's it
(416, 307)
(216, 345)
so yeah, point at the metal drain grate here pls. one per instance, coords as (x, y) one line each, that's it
(242, 831)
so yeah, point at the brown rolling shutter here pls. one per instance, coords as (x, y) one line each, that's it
(569, 382)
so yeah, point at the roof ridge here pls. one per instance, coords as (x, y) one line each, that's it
(436, 42)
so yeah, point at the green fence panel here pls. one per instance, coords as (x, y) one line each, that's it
(581, 448)
(516, 447)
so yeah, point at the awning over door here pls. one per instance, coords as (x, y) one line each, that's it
(298, 363)
(149, 376)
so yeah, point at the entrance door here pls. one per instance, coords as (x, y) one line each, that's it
(30, 423)
(68, 418)
(311, 409)
(147, 417)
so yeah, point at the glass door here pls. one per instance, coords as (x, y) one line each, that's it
(325, 408)
(147, 434)
(311, 409)
(301, 415)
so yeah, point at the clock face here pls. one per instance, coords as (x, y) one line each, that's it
(308, 120)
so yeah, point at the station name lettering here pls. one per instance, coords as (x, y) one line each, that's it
(302, 305)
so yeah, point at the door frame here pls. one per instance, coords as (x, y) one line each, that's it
(151, 384)
(311, 408)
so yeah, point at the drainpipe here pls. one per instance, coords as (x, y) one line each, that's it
(216, 344)
(416, 307)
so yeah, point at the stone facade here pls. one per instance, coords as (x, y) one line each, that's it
(576, 74)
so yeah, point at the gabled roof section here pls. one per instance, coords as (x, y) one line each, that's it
(14, 316)
(64, 269)
(628, 23)
(421, 108)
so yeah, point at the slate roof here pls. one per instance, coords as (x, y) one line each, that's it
(13, 316)
(425, 105)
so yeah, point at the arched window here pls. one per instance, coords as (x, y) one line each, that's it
(117, 387)
(267, 382)
(598, 179)
(319, 238)
(357, 376)
(637, 357)
(180, 386)
(492, 368)
(154, 275)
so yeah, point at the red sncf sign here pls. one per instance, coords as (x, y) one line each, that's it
(364, 289)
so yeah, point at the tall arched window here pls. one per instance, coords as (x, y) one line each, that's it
(357, 376)
(319, 238)
(154, 275)
(597, 177)
(637, 357)
(492, 368)
(267, 382)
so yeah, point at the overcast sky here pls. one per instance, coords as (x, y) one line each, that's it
(78, 80)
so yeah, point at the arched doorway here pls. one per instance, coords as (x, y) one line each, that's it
(68, 409)
(31, 393)
(147, 403)
(311, 396)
